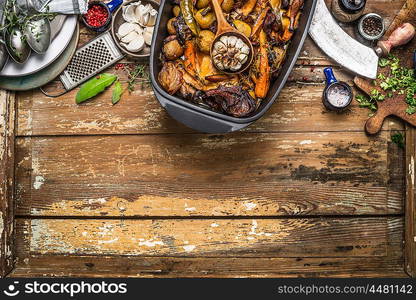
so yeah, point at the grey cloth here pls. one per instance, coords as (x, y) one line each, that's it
(56, 6)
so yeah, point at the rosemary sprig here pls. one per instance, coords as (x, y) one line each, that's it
(138, 73)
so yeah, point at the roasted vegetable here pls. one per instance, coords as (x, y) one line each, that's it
(170, 78)
(243, 27)
(217, 78)
(187, 9)
(263, 68)
(259, 24)
(293, 11)
(172, 50)
(247, 8)
(233, 100)
(182, 30)
(190, 58)
(202, 3)
(205, 40)
(275, 4)
(170, 26)
(276, 57)
(176, 10)
(205, 18)
(227, 5)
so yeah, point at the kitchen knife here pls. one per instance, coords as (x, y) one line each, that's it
(348, 52)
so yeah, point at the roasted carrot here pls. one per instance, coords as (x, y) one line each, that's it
(263, 78)
(190, 54)
(259, 24)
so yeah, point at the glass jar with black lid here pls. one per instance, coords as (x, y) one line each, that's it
(348, 10)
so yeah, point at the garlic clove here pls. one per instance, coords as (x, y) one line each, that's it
(129, 13)
(130, 37)
(235, 67)
(242, 57)
(232, 40)
(148, 35)
(136, 45)
(152, 18)
(126, 28)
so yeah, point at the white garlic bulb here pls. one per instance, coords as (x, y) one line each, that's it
(230, 53)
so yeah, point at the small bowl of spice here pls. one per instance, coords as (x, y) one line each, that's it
(98, 16)
(371, 27)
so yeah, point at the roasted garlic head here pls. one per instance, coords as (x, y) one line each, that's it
(230, 53)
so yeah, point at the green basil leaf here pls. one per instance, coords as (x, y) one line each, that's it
(94, 86)
(117, 92)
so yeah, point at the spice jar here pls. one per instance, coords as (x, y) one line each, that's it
(337, 95)
(348, 10)
(371, 27)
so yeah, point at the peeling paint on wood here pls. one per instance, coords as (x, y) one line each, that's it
(256, 237)
(7, 131)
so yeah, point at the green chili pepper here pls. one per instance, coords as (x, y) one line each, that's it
(187, 9)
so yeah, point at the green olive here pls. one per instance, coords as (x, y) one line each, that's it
(204, 19)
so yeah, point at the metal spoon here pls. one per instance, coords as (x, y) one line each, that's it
(37, 31)
(3, 56)
(16, 45)
(38, 34)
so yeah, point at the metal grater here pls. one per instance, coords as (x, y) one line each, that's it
(91, 59)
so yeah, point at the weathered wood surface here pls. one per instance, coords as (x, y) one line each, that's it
(410, 217)
(7, 134)
(203, 175)
(125, 190)
(352, 248)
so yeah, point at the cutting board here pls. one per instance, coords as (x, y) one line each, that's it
(396, 105)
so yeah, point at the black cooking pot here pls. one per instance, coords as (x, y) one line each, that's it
(202, 118)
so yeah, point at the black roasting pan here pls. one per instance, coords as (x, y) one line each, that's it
(204, 119)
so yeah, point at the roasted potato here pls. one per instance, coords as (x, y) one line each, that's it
(176, 10)
(243, 27)
(204, 18)
(227, 5)
(202, 3)
(170, 27)
(172, 50)
(205, 40)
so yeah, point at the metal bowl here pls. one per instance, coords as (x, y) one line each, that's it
(118, 21)
(365, 35)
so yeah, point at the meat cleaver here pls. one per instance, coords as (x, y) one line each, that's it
(348, 52)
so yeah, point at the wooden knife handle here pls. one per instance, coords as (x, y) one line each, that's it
(400, 36)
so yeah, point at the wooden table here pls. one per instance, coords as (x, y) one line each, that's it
(124, 190)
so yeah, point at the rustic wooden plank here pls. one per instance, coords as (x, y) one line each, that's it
(410, 213)
(174, 267)
(207, 175)
(298, 237)
(7, 132)
(299, 108)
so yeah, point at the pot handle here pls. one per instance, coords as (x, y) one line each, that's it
(197, 120)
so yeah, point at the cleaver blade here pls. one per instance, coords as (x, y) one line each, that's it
(341, 47)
